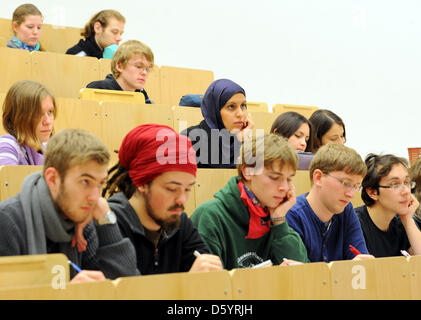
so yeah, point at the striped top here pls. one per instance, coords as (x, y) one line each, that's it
(12, 153)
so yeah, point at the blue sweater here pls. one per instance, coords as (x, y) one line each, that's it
(327, 241)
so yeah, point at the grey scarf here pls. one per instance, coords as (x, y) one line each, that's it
(41, 218)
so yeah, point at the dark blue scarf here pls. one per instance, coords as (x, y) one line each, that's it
(216, 96)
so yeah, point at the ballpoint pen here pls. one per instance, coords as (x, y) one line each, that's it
(405, 253)
(75, 266)
(353, 250)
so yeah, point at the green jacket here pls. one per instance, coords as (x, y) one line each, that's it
(223, 225)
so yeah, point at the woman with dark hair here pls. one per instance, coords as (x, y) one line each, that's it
(326, 127)
(294, 127)
(387, 216)
(217, 139)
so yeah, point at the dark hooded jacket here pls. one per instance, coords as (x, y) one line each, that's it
(88, 46)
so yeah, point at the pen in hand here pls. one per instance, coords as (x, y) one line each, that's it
(405, 253)
(354, 250)
(75, 266)
(196, 253)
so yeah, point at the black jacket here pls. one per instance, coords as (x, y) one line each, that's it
(109, 83)
(174, 252)
(89, 46)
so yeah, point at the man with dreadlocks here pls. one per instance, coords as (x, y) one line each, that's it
(148, 189)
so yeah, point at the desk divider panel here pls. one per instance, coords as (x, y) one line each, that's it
(213, 285)
(415, 276)
(380, 278)
(307, 281)
(11, 179)
(97, 290)
(15, 65)
(306, 111)
(32, 270)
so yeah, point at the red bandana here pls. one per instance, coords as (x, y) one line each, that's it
(151, 149)
(259, 223)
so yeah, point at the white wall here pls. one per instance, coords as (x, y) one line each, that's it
(359, 58)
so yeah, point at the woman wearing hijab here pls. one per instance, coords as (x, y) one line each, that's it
(217, 139)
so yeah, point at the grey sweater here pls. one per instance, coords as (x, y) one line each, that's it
(107, 250)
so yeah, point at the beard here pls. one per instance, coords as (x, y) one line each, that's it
(171, 223)
(62, 204)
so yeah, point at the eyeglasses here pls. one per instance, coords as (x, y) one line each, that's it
(347, 186)
(400, 186)
(140, 67)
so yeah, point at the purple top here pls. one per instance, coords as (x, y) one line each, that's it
(12, 153)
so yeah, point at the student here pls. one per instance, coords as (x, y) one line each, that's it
(324, 217)
(217, 139)
(326, 127)
(102, 34)
(245, 222)
(29, 110)
(148, 193)
(415, 174)
(387, 217)
(27, 27)
(42, 217)
(296, 128)
(130, 66)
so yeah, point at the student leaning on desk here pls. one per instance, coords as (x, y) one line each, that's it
(42, 217)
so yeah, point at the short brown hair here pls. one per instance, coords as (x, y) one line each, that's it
(22, 11)
(271, 147)
(336, 157)
(22, 111)
(127, 50)
(71, 147)
(101, 17)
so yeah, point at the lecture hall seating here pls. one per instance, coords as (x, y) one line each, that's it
(96, 290)
(53, 38)
(263, 120)
(303, 282)
(176, 286)
(15, 65)
(32, 270)
(177, 82)
(64, 74)
(380, 278)
(257, 106)
(114, 114)
(11, 178)
(306, 111)
(185, 117)
(392, 278)
(112, 95)
(153, 84)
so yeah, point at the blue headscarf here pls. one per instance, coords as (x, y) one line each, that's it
(216, 96)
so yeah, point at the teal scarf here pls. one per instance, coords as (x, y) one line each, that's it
(19, 44)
